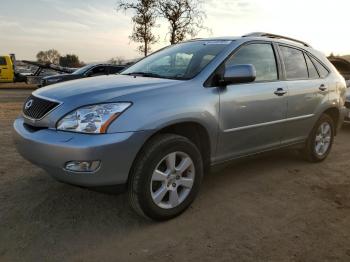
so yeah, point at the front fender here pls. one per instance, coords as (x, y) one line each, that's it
(155, 110)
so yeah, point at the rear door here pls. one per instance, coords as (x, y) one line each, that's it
(307, 91)
(251, 114)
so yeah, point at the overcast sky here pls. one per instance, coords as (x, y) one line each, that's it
(94, 31)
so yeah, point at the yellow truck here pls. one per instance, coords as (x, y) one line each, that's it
(9, 72)
(7, 69)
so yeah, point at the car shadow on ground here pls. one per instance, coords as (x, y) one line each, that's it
(61, 203)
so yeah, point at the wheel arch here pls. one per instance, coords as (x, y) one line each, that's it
(193, 131)
(334, 113)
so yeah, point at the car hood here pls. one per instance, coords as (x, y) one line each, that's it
(100, 89)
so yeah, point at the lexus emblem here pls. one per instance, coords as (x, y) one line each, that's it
(28, 104)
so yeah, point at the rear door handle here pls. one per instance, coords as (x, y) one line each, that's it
(280, 92)
(322, 87)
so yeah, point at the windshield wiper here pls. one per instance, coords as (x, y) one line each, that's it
(145, 74)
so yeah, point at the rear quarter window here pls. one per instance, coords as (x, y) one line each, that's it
(311, 67)
(321, 68)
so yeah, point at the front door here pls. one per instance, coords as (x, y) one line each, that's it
(251, 115)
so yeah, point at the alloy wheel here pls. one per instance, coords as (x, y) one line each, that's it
(323, 138)
(172, 180)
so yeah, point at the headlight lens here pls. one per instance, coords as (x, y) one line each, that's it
(92, 119)
(53, 80)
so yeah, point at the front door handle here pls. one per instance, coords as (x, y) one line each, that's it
(280, 92)
(322, 87)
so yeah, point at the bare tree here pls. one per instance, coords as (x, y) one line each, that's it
(51, 56)
(70, 61)
(185, 18)
(119, 60)
(144, 19)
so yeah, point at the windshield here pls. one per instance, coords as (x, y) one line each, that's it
(82, 70)
(181, 61)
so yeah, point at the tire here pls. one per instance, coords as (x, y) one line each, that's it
(156, 157)
(310, 151)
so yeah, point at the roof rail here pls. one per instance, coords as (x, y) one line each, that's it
(263, 34)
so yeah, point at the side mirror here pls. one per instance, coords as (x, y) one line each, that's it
(238, 74)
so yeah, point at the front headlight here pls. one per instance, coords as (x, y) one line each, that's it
(53, 80)
(92, 119)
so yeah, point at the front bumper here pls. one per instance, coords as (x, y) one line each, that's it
(52, 149)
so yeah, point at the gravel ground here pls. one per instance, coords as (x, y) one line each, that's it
(272, 207)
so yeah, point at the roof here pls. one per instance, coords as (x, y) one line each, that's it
(258, 36)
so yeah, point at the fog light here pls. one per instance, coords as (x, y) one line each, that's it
(82, 166)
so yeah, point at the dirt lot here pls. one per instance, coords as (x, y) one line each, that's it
(19, 85)
(274, 207)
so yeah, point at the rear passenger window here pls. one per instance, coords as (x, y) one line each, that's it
(294, 63)
(311, 67)
(261, 56)
(321, 69)
(2, 60)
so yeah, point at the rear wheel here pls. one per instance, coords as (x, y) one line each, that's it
(166, 177)
(320, 140)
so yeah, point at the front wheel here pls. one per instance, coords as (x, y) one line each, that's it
(166, 177)
(320, 140)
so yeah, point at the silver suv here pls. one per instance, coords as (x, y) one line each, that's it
(160, 124)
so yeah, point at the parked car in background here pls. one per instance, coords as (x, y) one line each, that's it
(160, 124)
(90, 70)
(343, 67)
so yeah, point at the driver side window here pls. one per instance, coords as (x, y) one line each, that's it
(261, 56)
(97, 71)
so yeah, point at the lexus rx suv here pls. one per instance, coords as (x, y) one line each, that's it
(157, 127)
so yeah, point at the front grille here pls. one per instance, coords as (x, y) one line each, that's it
(36, 108)
(347, 104)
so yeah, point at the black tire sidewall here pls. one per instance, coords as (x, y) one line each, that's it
(174, 144)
